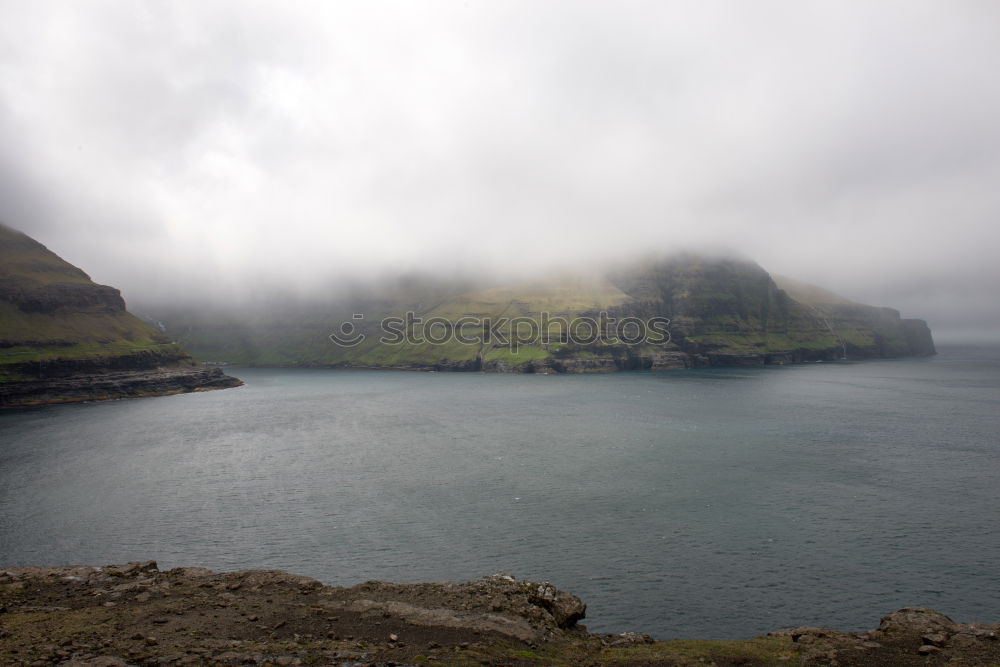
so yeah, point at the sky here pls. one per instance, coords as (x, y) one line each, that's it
(174, 149)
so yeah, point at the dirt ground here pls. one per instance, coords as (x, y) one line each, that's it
(135, 614)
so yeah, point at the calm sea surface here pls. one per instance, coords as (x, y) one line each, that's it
(718, 503)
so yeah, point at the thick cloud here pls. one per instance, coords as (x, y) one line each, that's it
(169, 146)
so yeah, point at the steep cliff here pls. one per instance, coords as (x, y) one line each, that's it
(681, 311)
(863, 331)
(65, 338)
(732, 312)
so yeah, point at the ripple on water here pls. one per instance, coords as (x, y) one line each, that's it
(682, 504)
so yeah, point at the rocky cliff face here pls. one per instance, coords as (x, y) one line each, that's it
(64, 338)
(732, 312)
(721, 312)
(147, 373)
(53, 297)
(918, 337)
(863, 331)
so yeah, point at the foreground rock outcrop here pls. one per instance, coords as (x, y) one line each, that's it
(64, 338)
(136, 614)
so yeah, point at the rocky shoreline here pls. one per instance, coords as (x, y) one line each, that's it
(622, 359)
(111, 385)
(142, 373)
(137, 614)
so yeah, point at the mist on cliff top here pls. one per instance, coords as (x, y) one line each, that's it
(183, 150)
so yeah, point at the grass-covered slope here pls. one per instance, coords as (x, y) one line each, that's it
(719, 312)
(49, 308)
(63, 337)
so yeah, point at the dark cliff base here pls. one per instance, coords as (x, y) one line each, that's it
(623, 359)
(158, 370)
(140, 373)
(135, 614)
(110, 385)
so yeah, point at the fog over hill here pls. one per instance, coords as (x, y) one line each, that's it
(195, 153)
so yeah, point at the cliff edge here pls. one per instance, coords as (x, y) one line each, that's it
(64, 338)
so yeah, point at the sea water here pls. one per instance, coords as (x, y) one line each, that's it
(716, 503)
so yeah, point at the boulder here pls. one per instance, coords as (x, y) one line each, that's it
(917, 620)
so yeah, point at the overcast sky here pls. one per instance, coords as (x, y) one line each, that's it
(166, 146)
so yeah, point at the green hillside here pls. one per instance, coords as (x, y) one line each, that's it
(720, 312)
(50, 309)
(64, 337)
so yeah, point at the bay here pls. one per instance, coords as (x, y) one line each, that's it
(717, 503)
